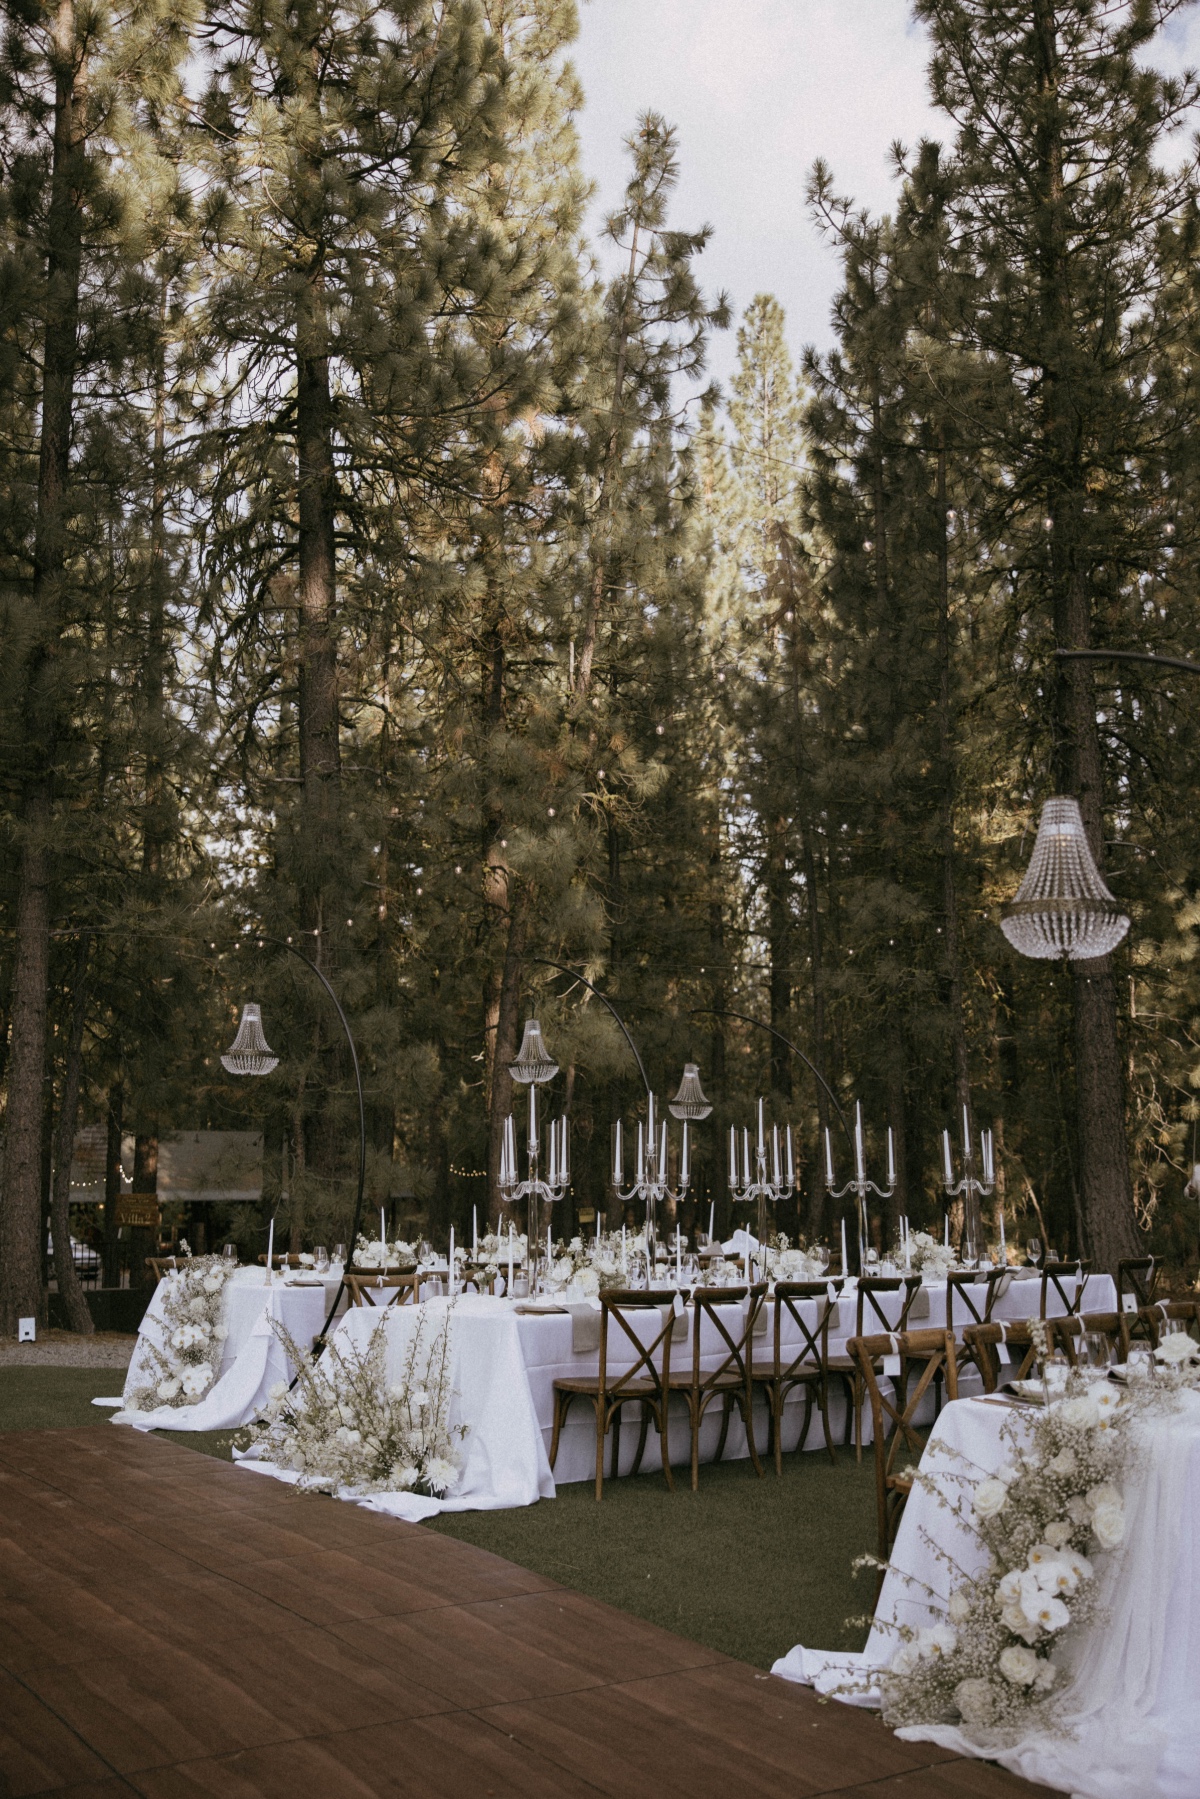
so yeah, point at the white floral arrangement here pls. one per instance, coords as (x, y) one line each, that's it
(929, 1258)
(182, 1371)
(375, 1253)
(788, 1263)
(591, 1266)
(1044, 1518)
(344, 1427)
(493, 1251)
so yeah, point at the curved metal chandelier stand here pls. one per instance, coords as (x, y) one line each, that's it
(724, 1012)
(545, 962)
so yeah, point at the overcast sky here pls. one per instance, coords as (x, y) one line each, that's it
(758, 89)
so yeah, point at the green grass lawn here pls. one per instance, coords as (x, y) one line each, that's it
(745, 1566)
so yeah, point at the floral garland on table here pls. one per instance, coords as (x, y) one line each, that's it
(185, 1368)
(343, 1427)
(1044, 1518)
(493, 1252)
(785, 1263)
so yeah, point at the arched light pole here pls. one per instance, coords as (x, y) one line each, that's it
(250, 1054)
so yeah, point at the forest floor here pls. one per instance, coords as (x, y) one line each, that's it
(744, 1566)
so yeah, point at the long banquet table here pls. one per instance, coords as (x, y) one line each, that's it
(1129, 1727)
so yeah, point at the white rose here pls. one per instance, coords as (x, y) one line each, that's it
(1058, 1535)
(1047, 1674)
(1103, 1494)
(1082, 1412)
(975, 1701)
(588, 1282)
(1079, 1510)
(1013, 1618)
(167, 1389)
(906, 1659)
(1019, 1665)
(1177, 1348)
(212, 1283)
(991, 1496)
(1108, 1524)
(1064, 1462)
(278, 1391)
(402, 1478)
(959, 1607)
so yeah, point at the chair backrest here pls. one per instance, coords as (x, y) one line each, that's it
(790, 1296)
(707, 1306)
(1054, 1274)
(1139, 1278)
(383, 1290)
(933, 1351)
(281, 1259)
(161, 1265)
(960, 1287)
(869, 1313)
(1168, 1315)
(1066, 1332)
(644, 1366)
(981, 1342)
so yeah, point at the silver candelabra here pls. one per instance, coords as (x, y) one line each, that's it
(651, 1184)
(860, 1186)
(533, 1068)
(970, 1187)
(752, 1186)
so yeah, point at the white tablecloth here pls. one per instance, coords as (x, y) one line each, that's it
(1131, 1713)
(504, 1456)
(252, 1359)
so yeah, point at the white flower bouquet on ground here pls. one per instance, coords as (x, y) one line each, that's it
(344, 1427)
(181, 1372)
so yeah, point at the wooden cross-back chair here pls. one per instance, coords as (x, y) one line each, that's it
(893, 1416)
(1068, 1331)
(383, 1290)
(1053, 1276)
(1168, 1315)
(870, 1316)
(645, 1381)
(982, 1343)
(960, 1296)
(282, 1259)
(1138, 1277)
(732, 1380)
(803, 1366)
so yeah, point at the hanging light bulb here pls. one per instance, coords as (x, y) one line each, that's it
(690, 1102)
(1062, 907)
(250, 1053)
(533, 1062)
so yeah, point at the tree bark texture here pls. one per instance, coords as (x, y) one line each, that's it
(21, 1289)
(320, 746)
(75, 1305)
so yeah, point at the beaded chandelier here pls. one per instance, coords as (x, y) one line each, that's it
(1062, 907)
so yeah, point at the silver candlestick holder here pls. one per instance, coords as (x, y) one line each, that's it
(651, 1185)
(860, 1186)
(969, 1186)
(533, 1068)
(751, 1184)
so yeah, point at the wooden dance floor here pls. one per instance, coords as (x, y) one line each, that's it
(172, 1627)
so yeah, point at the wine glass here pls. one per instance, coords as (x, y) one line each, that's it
(1097, 1349)
(820, 1255)
(229, 1254)
(1034, 1250)
(320, 1258)
(1055, 1370)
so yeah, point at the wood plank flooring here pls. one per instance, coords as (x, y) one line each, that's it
(173, 1627)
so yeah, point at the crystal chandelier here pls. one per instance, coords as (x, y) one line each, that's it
(1062, 907)
(250, 1053)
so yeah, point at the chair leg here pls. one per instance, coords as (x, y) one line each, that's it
(726, 1411)
(601, 1408)
(824, 1404)
(561, 1403)
(775, 1404)
(616, 1444)
(859, 1397)
(746, 1406)
(695, 1414)
(661, 1417)
(637, 1460)
(808, 1396)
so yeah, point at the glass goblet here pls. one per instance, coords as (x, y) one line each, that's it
(229, 1254)
(339, 1254)
(320, 1258)
(1034, 1248)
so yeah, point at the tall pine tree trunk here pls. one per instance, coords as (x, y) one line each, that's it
(21, 1289)
(75, 1305)
(1104, 1177)
(950, 919)
(320, 748)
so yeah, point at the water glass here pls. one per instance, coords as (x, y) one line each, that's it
(434, 1286)
(1097, 1350)
(339, 1254)
(1034, 1248)
(320, 1258)
(229, 1254)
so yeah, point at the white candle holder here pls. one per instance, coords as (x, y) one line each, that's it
(860, 1186)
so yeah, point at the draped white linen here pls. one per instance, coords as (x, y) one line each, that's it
(1130, 1728)
(252, 1359)
(504, 1457)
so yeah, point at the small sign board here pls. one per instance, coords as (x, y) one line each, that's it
(140, 1210)
(26, 1330)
